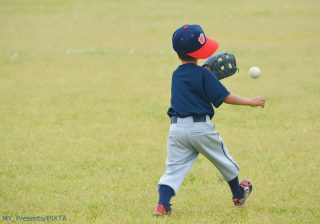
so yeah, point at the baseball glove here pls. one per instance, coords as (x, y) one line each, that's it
(222, 64)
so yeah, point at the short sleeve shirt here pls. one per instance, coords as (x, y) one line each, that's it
(194, 92)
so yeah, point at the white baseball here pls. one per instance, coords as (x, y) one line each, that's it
(254, 72)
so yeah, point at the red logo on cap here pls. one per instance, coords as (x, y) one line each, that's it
(201, 39)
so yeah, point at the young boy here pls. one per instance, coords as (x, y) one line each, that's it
(193, 92)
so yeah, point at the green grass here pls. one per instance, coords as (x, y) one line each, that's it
(84, 90)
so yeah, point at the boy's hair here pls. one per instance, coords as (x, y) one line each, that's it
(185, 57)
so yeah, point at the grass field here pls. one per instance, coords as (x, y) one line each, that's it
(84, 90)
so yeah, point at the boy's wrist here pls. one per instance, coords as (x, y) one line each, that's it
(250, 103)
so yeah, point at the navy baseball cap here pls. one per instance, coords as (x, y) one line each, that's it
(191, 40)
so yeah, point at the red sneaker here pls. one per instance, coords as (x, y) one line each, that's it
(247, 188)
(161, 211)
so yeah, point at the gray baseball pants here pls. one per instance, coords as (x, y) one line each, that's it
(186, 140)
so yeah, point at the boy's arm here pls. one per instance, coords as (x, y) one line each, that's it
(239, 100)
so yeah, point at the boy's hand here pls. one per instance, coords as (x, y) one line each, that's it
(257, 102)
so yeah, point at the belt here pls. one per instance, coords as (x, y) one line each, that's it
(201, 118)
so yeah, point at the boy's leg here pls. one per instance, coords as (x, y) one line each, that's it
(235, 188)
(180, 159)
(165, 194)
(210, 144)
(212, 147)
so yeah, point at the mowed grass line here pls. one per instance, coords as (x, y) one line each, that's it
(84, 89)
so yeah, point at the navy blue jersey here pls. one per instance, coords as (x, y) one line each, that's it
(194, 90)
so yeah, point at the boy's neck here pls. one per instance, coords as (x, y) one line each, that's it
(188, 62)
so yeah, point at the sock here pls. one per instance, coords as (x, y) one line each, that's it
(235, 188)
(165, 194)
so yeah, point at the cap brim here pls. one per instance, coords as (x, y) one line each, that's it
(206, 50)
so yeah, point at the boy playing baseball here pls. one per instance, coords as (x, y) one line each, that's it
(194, 92)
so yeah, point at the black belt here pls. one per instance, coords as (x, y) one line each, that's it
(201, 118)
